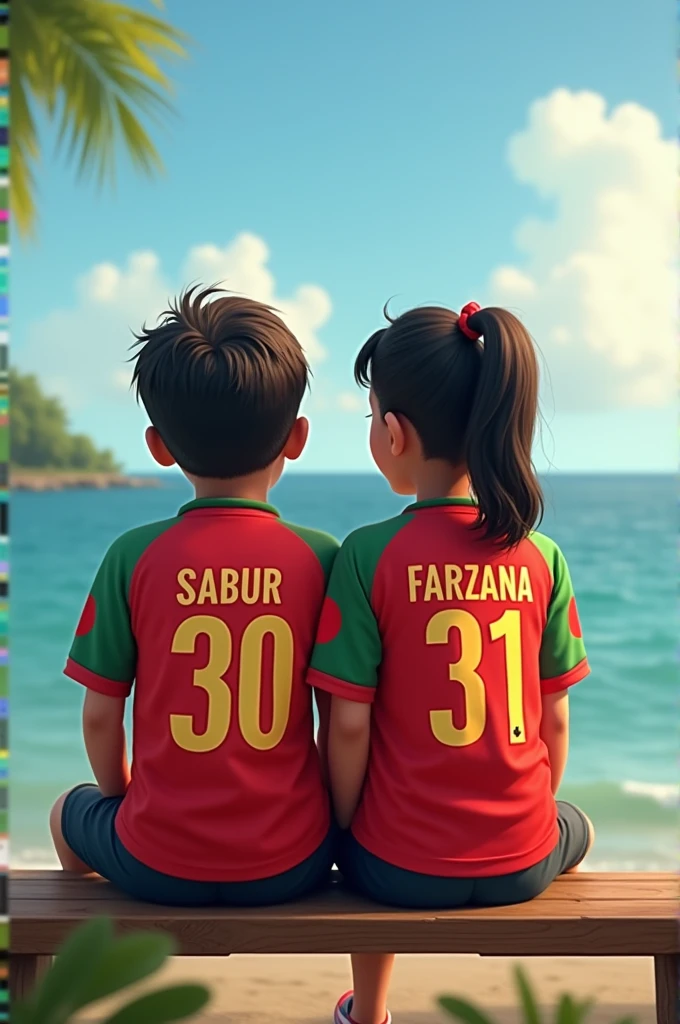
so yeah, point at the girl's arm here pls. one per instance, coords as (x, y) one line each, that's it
(104, 735)
(323, 707)
(348, 743)
(555, 733)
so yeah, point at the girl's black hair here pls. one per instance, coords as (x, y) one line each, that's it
(472, 402)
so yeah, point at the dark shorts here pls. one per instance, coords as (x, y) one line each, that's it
(88, 826)
(385, 883)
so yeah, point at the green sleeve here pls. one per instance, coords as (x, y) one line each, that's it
(348, 650)
(103, 655)
(322, 544)
(563, 659)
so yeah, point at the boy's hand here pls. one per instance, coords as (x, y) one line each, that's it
(104, 735)
(348, 744)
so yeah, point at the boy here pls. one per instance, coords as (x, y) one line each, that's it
(212, 614)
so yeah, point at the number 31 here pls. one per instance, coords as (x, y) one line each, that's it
(464, 671)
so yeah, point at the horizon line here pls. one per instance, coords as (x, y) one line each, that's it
(370, 472)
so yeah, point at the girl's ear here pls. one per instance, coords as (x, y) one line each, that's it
(156, 445)
(297, 439)
(396, 432)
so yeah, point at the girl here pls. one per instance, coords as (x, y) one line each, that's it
(449, 639)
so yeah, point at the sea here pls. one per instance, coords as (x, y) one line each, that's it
(618, 533)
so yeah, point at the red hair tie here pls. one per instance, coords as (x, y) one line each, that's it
(465, 314)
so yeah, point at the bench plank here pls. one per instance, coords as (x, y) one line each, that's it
(575, 936)
(55, 886)
(337, 921)
(579, 915)
(341, 909)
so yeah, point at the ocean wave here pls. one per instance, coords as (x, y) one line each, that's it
(665, 793)
(33, 859)
(633, 864)
(629, 805)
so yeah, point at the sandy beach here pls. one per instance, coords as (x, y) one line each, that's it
(303, 989)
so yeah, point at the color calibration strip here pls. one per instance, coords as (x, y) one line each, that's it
(4, 515)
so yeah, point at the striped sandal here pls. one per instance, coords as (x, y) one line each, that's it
(343, 1011)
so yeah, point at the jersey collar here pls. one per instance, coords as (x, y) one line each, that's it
(439, 502)
(235, 503)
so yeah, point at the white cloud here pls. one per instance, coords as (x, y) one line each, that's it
(243, 265)
(347, 401)
(80, 353)
(597, 281)
(513, 281)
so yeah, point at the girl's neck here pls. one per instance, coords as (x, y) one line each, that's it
(439, 479)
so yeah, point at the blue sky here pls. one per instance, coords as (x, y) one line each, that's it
(368, 147)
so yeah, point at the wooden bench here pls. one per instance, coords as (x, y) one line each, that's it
(579, 915)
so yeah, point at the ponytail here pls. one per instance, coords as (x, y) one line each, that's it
(500, 428)
(470, 402)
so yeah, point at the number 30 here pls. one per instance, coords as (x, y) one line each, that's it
(211, 679)
(464, 671)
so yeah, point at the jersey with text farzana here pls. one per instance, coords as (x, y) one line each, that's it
(212, 615)
(455, 641)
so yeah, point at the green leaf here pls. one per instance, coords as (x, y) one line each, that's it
(531, 1013)
(566, 1011)
(22, 1014)
(169, 1004)
(466, 1012)
(129, 960)
(569, 1011)
(79, 957)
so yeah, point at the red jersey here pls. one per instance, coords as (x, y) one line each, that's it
(455, 642)
(212, 614)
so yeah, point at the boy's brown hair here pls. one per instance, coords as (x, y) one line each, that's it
(222, 382)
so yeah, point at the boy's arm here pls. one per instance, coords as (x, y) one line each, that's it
(104, 735)
(325, 548)
(348, 746)
(103, 658)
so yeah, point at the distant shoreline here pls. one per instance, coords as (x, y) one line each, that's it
(63, 480)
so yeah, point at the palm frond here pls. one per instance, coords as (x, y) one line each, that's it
(25, 151)
(93, 65)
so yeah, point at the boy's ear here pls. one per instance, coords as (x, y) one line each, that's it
(297, 439)
(156, 445)
(396, 432)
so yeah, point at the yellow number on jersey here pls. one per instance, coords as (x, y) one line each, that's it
(464, 671)
(510, 626)
(211, 679)
(250, 680)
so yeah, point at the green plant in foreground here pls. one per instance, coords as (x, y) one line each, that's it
(567, 1011)
(93, 964)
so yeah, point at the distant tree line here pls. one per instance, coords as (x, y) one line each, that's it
(39, 434)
